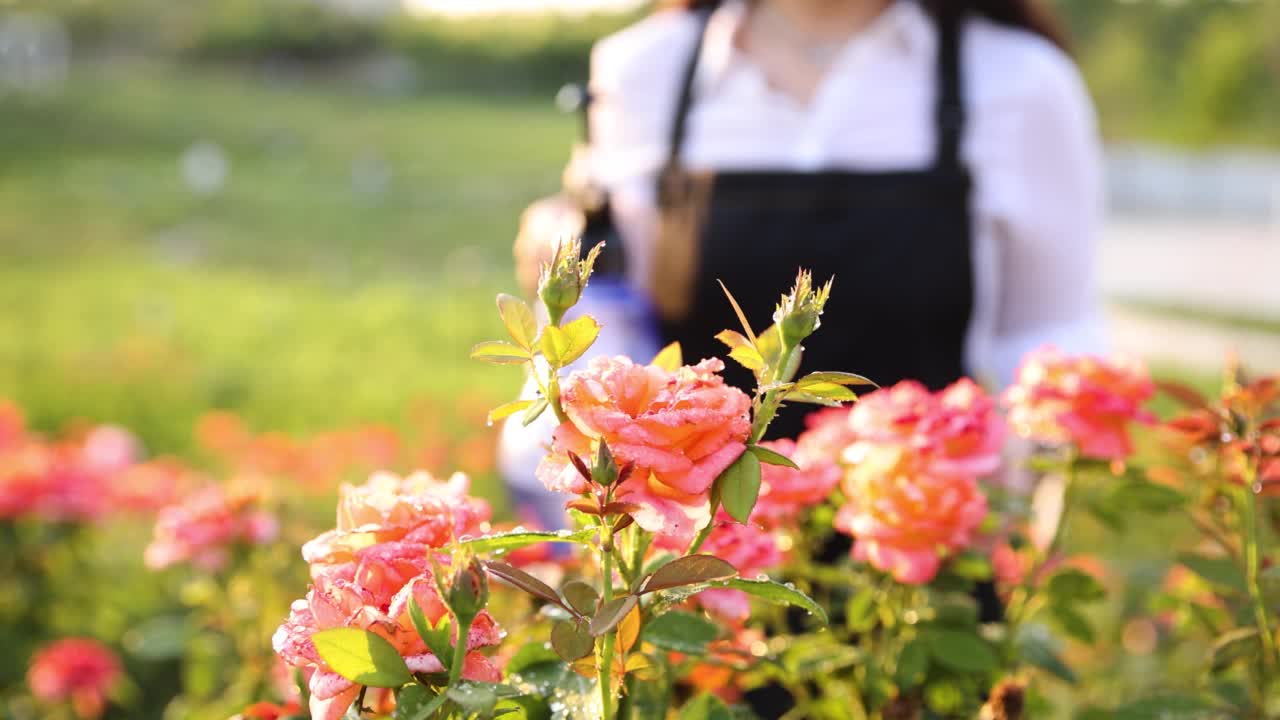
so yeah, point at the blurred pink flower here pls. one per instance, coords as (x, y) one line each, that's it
(76, 670)
(827, 433)
(958, 430)
(373, 594)
(680, 430)
(204, 526)
(416, 509)
(1083, 400)
(904, 515)
(785, 493)
(911, 483)
(749, 548)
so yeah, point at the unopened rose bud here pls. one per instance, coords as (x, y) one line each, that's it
(563, 278)
(800, 313)
(468, 590)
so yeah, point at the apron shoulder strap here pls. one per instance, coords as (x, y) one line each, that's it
(949, 105)
(684, 100)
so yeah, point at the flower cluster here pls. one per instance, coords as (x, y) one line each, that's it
(78, 671)
(81, 478)
(911, 486)
(366, 572)
(1079, 399)
(679, 430)
(206, 525)
(760, 544)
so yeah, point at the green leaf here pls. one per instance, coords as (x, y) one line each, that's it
(436, 637)
(811, 399)
(824, 391)
(563, 345)
(971, 566)
(706, 707)
(523, 538)
(362, 657)
(961, 650)
(500, 353)
(506, 410)
(688, 570)
(860, 614)
(1239, 644)
(669, 358)
(1070, 586)
(838, 378)
(1035, 645)
(957, 610)
(765, 455)
(1217, 570)
(522, 580)
(1072, 622)
(581, 597)
(737, 309)
(738, 487)
(681, 632)
(531, 653)
(1145, 496)
(572, 640)
(1167, 707)
(945, 697)
(612, 613)
(776, 593)
(416, 702)
(748, 357)
(535, 411)
(605, 471)
(518, 318)
(474, 698)
(913, 663)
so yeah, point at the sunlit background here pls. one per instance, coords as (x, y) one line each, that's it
(298, 211)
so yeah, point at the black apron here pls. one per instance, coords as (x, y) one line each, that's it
(897, 243)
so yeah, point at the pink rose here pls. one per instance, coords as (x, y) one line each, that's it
(913, 466)
(373, 593)
(76, 670)
(680, 430)
(204, 527)
(1083, 400)
(786, 492)
(958, 428)
(904, 515)
(416, 509)
(749, 548)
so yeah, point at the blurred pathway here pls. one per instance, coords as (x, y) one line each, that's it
(1216, 266)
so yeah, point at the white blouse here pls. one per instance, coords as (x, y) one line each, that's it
(1030, 142)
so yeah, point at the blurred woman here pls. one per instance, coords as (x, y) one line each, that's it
(938, 157)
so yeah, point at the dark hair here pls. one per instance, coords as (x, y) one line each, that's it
(1029, 15)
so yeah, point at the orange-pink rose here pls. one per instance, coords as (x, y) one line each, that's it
(913, 467)
(1084, 400)
(372, 593)
(680, 430)
(416, 509)
(904, 515)
(204, 527)
(786, 492)
(751, 549)
(957, 430)
(79, 671)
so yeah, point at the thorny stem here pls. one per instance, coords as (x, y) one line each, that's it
(1252, 569)
(606, 651)
(1020, 599)
(459, 652)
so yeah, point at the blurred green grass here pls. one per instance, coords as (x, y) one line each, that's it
(303, 295)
